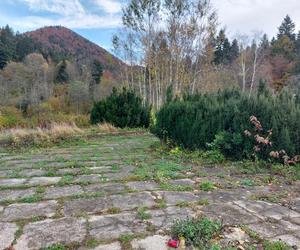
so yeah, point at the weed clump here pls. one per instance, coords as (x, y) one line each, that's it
(196, 232)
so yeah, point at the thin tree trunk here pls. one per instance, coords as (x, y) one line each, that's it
(254, 71)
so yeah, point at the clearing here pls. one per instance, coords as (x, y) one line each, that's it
(105, 192)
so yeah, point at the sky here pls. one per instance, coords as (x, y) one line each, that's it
(98, 20)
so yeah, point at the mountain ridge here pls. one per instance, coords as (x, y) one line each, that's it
(61, 40)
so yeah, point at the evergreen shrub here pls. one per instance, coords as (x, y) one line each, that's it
(218, 120)
(122, 109)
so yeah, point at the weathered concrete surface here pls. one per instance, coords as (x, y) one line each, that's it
(229, 214)
(49, 232)
(57, 192)
(112, 246)
(164, 218)
(98, 205)
(155, 242)
(43, 180)
(11, 182)
(106, 170)
(7, 234)
(142, 185)
(29, 210)
(110, 188)
(6, 195)
(173, 198)
(111, 227)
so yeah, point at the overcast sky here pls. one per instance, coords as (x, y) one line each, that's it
(97, 20)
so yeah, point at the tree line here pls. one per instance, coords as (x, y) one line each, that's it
(179, 44)
(31, 75)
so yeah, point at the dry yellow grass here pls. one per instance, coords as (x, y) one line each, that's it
(55, 132)
(106, 127)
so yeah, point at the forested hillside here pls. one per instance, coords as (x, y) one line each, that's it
(53, 68)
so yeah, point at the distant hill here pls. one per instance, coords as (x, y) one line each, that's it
(58, 40)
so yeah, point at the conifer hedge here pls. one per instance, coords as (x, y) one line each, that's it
(196, 121)
(122, 109)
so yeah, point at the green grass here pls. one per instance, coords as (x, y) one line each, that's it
(142, 214)
(113, 210)
(270, 197)
(55, 247)
(160, 204)
(125, 238)
(32, 199)
(179, 188)
(203, 202)
(160, 169)
(66, 180)
(196, 232)
(247, 182)
(206, 186)
(278, 245)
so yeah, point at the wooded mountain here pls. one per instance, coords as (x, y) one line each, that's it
(60, 43)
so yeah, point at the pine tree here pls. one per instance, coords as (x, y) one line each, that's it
(223, 49)
(62, 74)
(287, 28)
(97, 71)
(3, 58)
(234, 50)
(265, 42)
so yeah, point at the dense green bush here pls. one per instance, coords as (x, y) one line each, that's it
(196, 232)
(122, 109)
(219, 120)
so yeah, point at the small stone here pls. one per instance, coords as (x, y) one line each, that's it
(46, 233)
(28, 210)
(57, 192)
(7, 234)
(154, 242)
(43, 180)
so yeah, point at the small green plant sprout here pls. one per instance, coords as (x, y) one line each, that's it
(276, 245)
(247, 182)
(125, 240)
(113, 210)
(55, 247)
(207, 186)
(142, 214)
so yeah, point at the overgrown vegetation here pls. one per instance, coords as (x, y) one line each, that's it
(218, 121)
(196, 232)
(53, 134)
(38, 137)
(123, 109)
